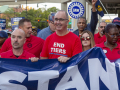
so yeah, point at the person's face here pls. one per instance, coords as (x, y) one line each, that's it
(112, 36)
(101, 28)
(85, 40)
(27, 28)
(60, 21)
(9, 35)
(118, 28)
(34, 32)
(52, 26)
(2, 40)
(17, 39)
(81, 24)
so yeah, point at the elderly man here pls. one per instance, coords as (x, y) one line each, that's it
(62, 44)
(100, 37)
(18, 38)
(82, 22)
(44, 33)
(33, 44)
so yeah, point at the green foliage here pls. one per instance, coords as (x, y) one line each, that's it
(32, 15)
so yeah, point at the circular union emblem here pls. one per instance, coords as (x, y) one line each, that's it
(76, 10)
(29, 45)
(119, 52)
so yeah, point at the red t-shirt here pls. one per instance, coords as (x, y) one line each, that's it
(9, 54)
(111, 55)
(55, 46)
(33, 45)
(98, 39)
(118, 40)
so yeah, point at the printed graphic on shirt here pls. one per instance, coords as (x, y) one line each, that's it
(58, 49)
(29, 45)
(119, 52)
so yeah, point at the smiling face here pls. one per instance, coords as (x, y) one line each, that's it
(61, 21)
(86, 41)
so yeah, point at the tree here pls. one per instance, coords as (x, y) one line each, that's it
(33, 15)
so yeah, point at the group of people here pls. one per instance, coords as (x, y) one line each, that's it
(56, 41)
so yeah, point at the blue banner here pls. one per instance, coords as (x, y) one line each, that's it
(15, 21)
(2, 23)
(99, 9)
(89, 70)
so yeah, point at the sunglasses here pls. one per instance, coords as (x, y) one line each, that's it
(85, 38)
(112, 36)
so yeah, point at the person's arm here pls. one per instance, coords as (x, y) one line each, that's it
(34, 59)
(43, 57)
(93, 5)
(94, 18)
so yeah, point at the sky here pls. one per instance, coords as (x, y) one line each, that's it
(42, 5)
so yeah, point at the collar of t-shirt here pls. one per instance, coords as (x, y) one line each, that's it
(16, 56)
(11, 53)
(28, 39)
(102, 45)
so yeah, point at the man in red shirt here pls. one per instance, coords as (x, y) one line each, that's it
(110, 47)
(17, 40)
(33, 44)
(62, 44)
(100, 37)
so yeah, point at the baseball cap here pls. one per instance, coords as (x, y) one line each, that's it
(9, 31)
(116, 21)
(34, 28)
(51, 17)
(3, 34)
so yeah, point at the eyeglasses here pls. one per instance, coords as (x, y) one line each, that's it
(85, 38)
(60, 19)
(34, 31)
(112, 36)
(102, 26)
(52, 22)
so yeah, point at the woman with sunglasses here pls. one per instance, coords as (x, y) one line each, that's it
(87, 40)
(110, 47)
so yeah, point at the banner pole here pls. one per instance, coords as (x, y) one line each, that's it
(105, 10)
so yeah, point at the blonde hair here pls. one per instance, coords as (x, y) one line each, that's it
(92, 42)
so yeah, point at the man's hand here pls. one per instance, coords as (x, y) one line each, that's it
(34, 59)
(94, 2)
(93, 5)
(63, 59)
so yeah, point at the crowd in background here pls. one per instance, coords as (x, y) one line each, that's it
(55, 41)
